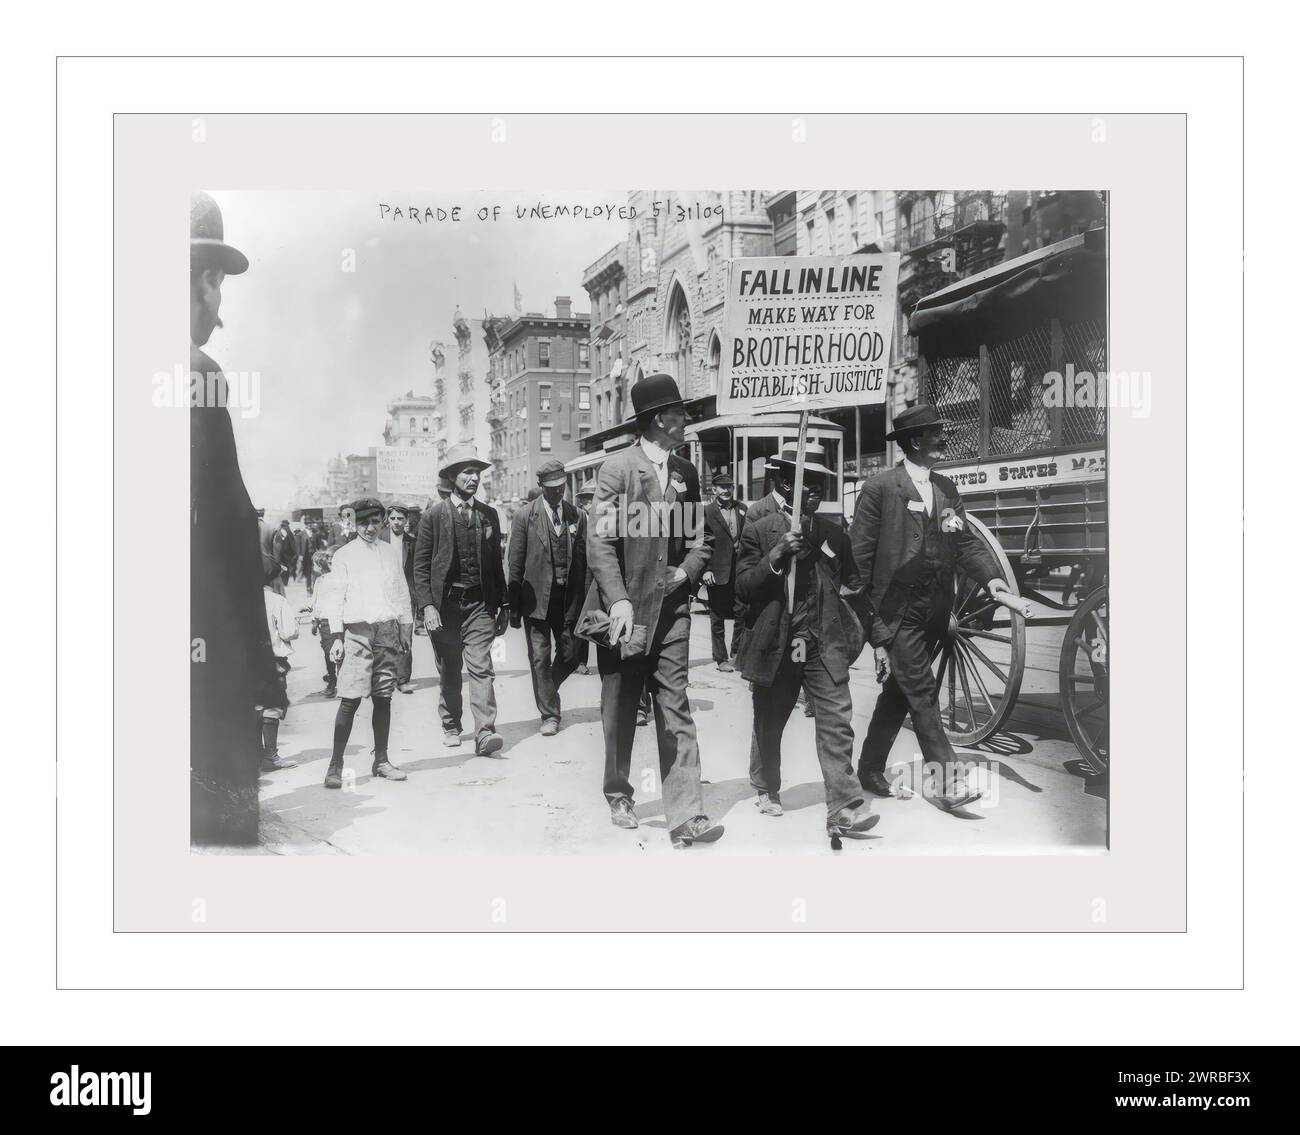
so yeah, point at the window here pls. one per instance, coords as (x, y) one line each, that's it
(543, 354)
(544, 397)
(584, 354)
(544, 439)
(584, 397)
(830, 230)
(424, 425)
(853, 222)
(810, 227)
(412, 425)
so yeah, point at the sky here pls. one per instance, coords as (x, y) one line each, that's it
(332, 347)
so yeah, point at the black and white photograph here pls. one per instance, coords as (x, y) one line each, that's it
(762, 522)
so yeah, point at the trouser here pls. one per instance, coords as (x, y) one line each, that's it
(464, 641)
(404, 662)
(550, 671)
(331, 670)
(834, 714)
(910, 687)
(662, 670)
(721, 608)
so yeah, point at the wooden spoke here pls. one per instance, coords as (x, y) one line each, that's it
(987, 634)
(968, 645)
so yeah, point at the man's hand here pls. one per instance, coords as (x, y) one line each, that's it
(620, 622)
(1002, 593)
(516, 619)
(708, 579)
(882, 665)
(790, 544)
(503, 621)
(432, 620)
(336, 650)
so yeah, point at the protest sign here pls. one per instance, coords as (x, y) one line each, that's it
(406, 471)
(807, 332)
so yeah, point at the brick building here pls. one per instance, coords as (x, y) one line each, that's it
(605, 282)
(540, 398)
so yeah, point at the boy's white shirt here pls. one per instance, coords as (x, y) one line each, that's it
(369, 585)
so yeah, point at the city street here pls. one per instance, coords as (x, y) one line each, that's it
(541, 795)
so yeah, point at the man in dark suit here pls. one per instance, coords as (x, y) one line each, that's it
(811, 644)
(302, 546)
(227, 609)
(548, 567)
(725, 518)
(648, 546)
(286, 551)
(460, 588)
(909, 531)
(585, 495)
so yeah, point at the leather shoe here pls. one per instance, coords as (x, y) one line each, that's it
(642, 718)
(875, 783)
(850, 823)
(698, 829)
(550, 727)
(725, 668)
(275, 763)
(334, 775)
(451, 738)
(958, 797)
(488, 744)
(388, 771)
(621, 814)
(769, 805)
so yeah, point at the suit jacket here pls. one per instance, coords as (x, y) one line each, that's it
(887, 539)
(228, 613)
(435, 550)
(529, 589)
(764, 506)
(634, 566)
(767, 613)
(723, 562)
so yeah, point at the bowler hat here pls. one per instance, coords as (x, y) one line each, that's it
(655, 392)
(550, 473)
(458, 456)
(208, 248)
(814, 460)
(914, 418)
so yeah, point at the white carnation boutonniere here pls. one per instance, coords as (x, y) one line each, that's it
(677, 483)
(949, 521)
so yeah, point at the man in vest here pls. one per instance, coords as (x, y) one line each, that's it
(548, 565)
(402, 543)
(461, 589)
(909, 531)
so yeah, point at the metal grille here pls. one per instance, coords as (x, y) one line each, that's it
(953, 388)
(1084, 345)
(1018, 416)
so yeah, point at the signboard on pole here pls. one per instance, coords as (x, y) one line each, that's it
(807, 332)
(407, 470)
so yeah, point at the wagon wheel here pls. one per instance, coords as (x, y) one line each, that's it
(979, 663)
(1085, 680)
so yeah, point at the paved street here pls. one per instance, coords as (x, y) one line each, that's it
(542, 795)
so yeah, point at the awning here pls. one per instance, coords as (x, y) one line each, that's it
(1066, 281)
